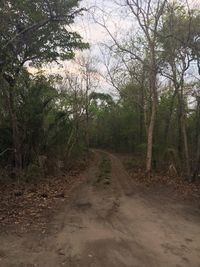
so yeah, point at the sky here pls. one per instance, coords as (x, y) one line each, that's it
(95, 35)
(116, 19)
(92, 33)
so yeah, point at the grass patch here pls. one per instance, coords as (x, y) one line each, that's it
(104, 174)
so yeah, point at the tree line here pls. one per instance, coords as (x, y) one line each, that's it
(156, 72)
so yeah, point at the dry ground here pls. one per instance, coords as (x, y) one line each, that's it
(117, 224)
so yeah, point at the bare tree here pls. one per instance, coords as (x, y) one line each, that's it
(147, 14)
(90, 81)
(120, 70)
(80, 84)
(178, 58)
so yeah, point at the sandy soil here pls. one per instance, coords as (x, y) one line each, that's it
(121, 224)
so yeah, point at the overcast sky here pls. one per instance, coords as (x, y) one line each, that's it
(116, 19)
(92, 33)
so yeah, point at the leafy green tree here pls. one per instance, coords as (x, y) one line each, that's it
(33, 33)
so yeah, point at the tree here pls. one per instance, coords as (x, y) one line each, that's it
(148, 17)
(33, 33)
(177, 36)
(89, 82)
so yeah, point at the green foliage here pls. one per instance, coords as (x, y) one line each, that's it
(179, 33)
(37, 31)
(104, 175)
(33, 122)
(46, 125)
(116, 124)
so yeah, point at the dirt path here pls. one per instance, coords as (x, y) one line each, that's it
(111, 225)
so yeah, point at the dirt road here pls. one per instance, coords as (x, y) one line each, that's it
(116, 224)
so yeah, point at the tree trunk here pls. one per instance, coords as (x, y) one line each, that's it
(87, 114)
(15, 132)
(168, 121)
(153, 91)
(197, 163)
(196, 168)
(183, 140)
(150, 135)
(180, 141)
(142, 133)
(8, 87)
(87, 130)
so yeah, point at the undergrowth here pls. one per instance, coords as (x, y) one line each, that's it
(104, 175)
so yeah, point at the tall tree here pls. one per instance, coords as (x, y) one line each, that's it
(178, 37)
(33, 32)
(148, 15)
(90, 80)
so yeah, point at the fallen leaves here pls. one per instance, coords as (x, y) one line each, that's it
(180, 186)
(29, 205)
